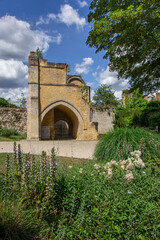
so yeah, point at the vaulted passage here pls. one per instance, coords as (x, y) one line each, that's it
(59, 122)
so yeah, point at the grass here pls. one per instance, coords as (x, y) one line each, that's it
(121, 139)
(13, 138)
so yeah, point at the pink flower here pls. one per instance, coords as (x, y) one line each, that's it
(129, 176)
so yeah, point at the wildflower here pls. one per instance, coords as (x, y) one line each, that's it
(129, 176)
(80, 170)
(96, 166)
(130, 164)
(139, 163)
(129, 192)
(91, 174)
(109, 172)
(70, 166)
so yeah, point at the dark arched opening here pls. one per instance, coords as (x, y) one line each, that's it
(59, 123)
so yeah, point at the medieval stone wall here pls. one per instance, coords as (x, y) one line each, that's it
(17, 118)
(14, 118)
(104, 118)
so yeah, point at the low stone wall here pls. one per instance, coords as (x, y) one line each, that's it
(17, 118)
(104, 118)
(14, 118)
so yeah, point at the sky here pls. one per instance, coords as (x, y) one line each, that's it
(59, 28)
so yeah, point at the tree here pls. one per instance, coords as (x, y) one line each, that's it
(104, 96)
(6, 103)
(39, 53)
(22, 101)
(129, 32)
(130, 113)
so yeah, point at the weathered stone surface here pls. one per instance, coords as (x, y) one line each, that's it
(104, 118)
(54, 96)
(14, 118)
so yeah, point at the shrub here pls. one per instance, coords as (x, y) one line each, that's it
(151, 114)
(130, 114)
(118, 143)
(5, 132)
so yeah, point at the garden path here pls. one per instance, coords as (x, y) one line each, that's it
(65, 148)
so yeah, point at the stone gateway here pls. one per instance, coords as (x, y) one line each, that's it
(58, 104)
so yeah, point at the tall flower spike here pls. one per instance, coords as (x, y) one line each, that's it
(7, 167)
(142, 145)
(43, 166)
(150, 139)
(121, 153)
(129, 147)
(15, 153)
(19, 157)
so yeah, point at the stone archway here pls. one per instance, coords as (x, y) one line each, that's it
(61, 111)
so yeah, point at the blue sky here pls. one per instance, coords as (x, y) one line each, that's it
(60, 29)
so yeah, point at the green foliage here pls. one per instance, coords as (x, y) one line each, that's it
(85, 92)
(22, 101)
(5, 132)
(118, 144)
(128, 32)
(39, 53)
(15, 223)
(130, 114)
(6, 103)
(150, 116)
(104, 96)
(68, 68)
(87, 204)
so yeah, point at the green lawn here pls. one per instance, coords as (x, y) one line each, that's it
(61, 161)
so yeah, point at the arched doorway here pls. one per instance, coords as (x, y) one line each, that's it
(62, 130)
(60, 121)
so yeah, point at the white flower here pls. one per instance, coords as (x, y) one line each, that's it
(139, 163)
(96, 166)
(109, 172)
(129, 176)
(91, 174)
(70, 166)
(80, 170)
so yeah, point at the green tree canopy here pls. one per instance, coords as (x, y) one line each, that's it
(6, 103)
(129, 32)
(104, 96)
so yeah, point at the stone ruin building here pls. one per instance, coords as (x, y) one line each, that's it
(58, 104)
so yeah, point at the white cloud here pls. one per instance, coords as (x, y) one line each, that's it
(13, 74)
(84, 66)
(17, 39)
(110, 78)
(118, 94)
(13, 94)
(67, 15)
(90, 84)
(82, 3)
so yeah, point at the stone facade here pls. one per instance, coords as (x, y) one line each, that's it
(54, 96)
(103, 118)
(14, 118)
